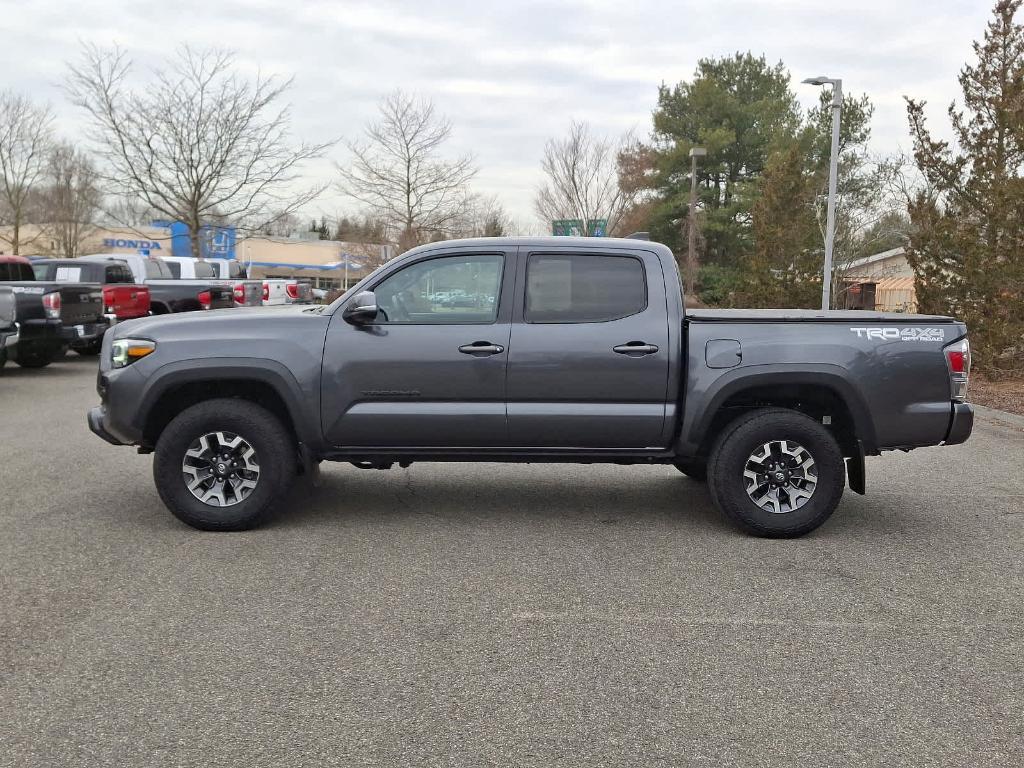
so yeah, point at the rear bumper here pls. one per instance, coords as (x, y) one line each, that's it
(961, 424)
(38, 329)
(84, 334)
(9, 338)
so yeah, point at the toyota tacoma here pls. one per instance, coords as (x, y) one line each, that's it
(557, 350)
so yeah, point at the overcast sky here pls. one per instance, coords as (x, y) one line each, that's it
(511, 74)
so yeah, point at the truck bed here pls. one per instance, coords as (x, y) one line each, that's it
(810, 316)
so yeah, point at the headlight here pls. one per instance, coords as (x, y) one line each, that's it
(126, 351)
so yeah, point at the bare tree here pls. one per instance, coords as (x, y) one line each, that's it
(484, 216)
(398, 172)
(582, 172)
(200, 144)
(26, 134)
(71, 199)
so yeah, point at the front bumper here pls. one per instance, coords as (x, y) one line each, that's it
(95, 418)
(961, 424)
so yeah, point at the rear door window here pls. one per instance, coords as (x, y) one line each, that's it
(577, 288)
(236, 270)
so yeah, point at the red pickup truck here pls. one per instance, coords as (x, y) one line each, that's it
(123, 298)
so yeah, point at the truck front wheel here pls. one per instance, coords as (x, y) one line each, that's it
(776, 473)
(224, 465)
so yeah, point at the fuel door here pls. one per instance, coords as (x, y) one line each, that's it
(723, 353)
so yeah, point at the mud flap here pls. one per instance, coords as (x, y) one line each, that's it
(856, 476)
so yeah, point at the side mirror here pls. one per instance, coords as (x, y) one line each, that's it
(362, 309)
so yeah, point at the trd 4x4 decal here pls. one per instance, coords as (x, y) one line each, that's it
(900, 334)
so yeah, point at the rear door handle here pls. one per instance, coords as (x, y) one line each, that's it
(635, 349)
(481, 349)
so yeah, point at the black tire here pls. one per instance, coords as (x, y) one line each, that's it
(275, 451)
(3, 357)
(695, 470)
(36, 355)
(737, 444)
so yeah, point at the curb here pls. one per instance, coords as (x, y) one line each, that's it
(998, 417)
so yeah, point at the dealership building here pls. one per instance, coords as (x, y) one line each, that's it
(327, 264)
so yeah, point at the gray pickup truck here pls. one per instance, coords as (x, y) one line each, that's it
(558, 350)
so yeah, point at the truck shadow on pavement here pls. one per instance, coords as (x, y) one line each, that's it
(70, 365)
(453, 494)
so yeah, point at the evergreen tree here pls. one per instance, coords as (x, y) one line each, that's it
(967, 242)
(739, 108)
(784, 265)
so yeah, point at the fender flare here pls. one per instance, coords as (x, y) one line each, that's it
(269, 372)
(832, 377)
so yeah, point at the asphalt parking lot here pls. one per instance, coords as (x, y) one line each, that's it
(474, 615)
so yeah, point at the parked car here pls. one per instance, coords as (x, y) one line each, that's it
(286, 291)
(51, 315)
(9, 333)
(247, 293)
(587, 355)
(123, 298)
(167, 294)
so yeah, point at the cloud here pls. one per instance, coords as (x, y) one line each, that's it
(510, 74)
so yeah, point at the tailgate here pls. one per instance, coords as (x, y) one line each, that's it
(7, 307)
(221, 295)
(252, 292)
(301, 293)
(126, 301)
(80, 304)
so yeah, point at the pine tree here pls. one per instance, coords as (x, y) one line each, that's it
(967, 241)
(737, 107)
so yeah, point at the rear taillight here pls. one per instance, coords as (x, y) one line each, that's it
(266, 291)
(52, 304)
(108, 300)
(958, 361)
(204, 299)
(293, 290)
(239, 293)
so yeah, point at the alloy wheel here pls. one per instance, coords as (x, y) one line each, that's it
(220, 469)
(780, 476)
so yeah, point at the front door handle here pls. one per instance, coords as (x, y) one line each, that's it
(635, 349)
(481, 349)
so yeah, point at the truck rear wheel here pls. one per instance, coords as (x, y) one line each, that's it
(776, 473)
(36, 355)
(224, 465)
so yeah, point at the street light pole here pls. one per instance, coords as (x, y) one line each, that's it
(691, 226)
(833, 173)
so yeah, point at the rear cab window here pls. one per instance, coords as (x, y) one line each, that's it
(160, 270)
(582, 288)
(117, 273)
(16, 271)
(203, 269)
